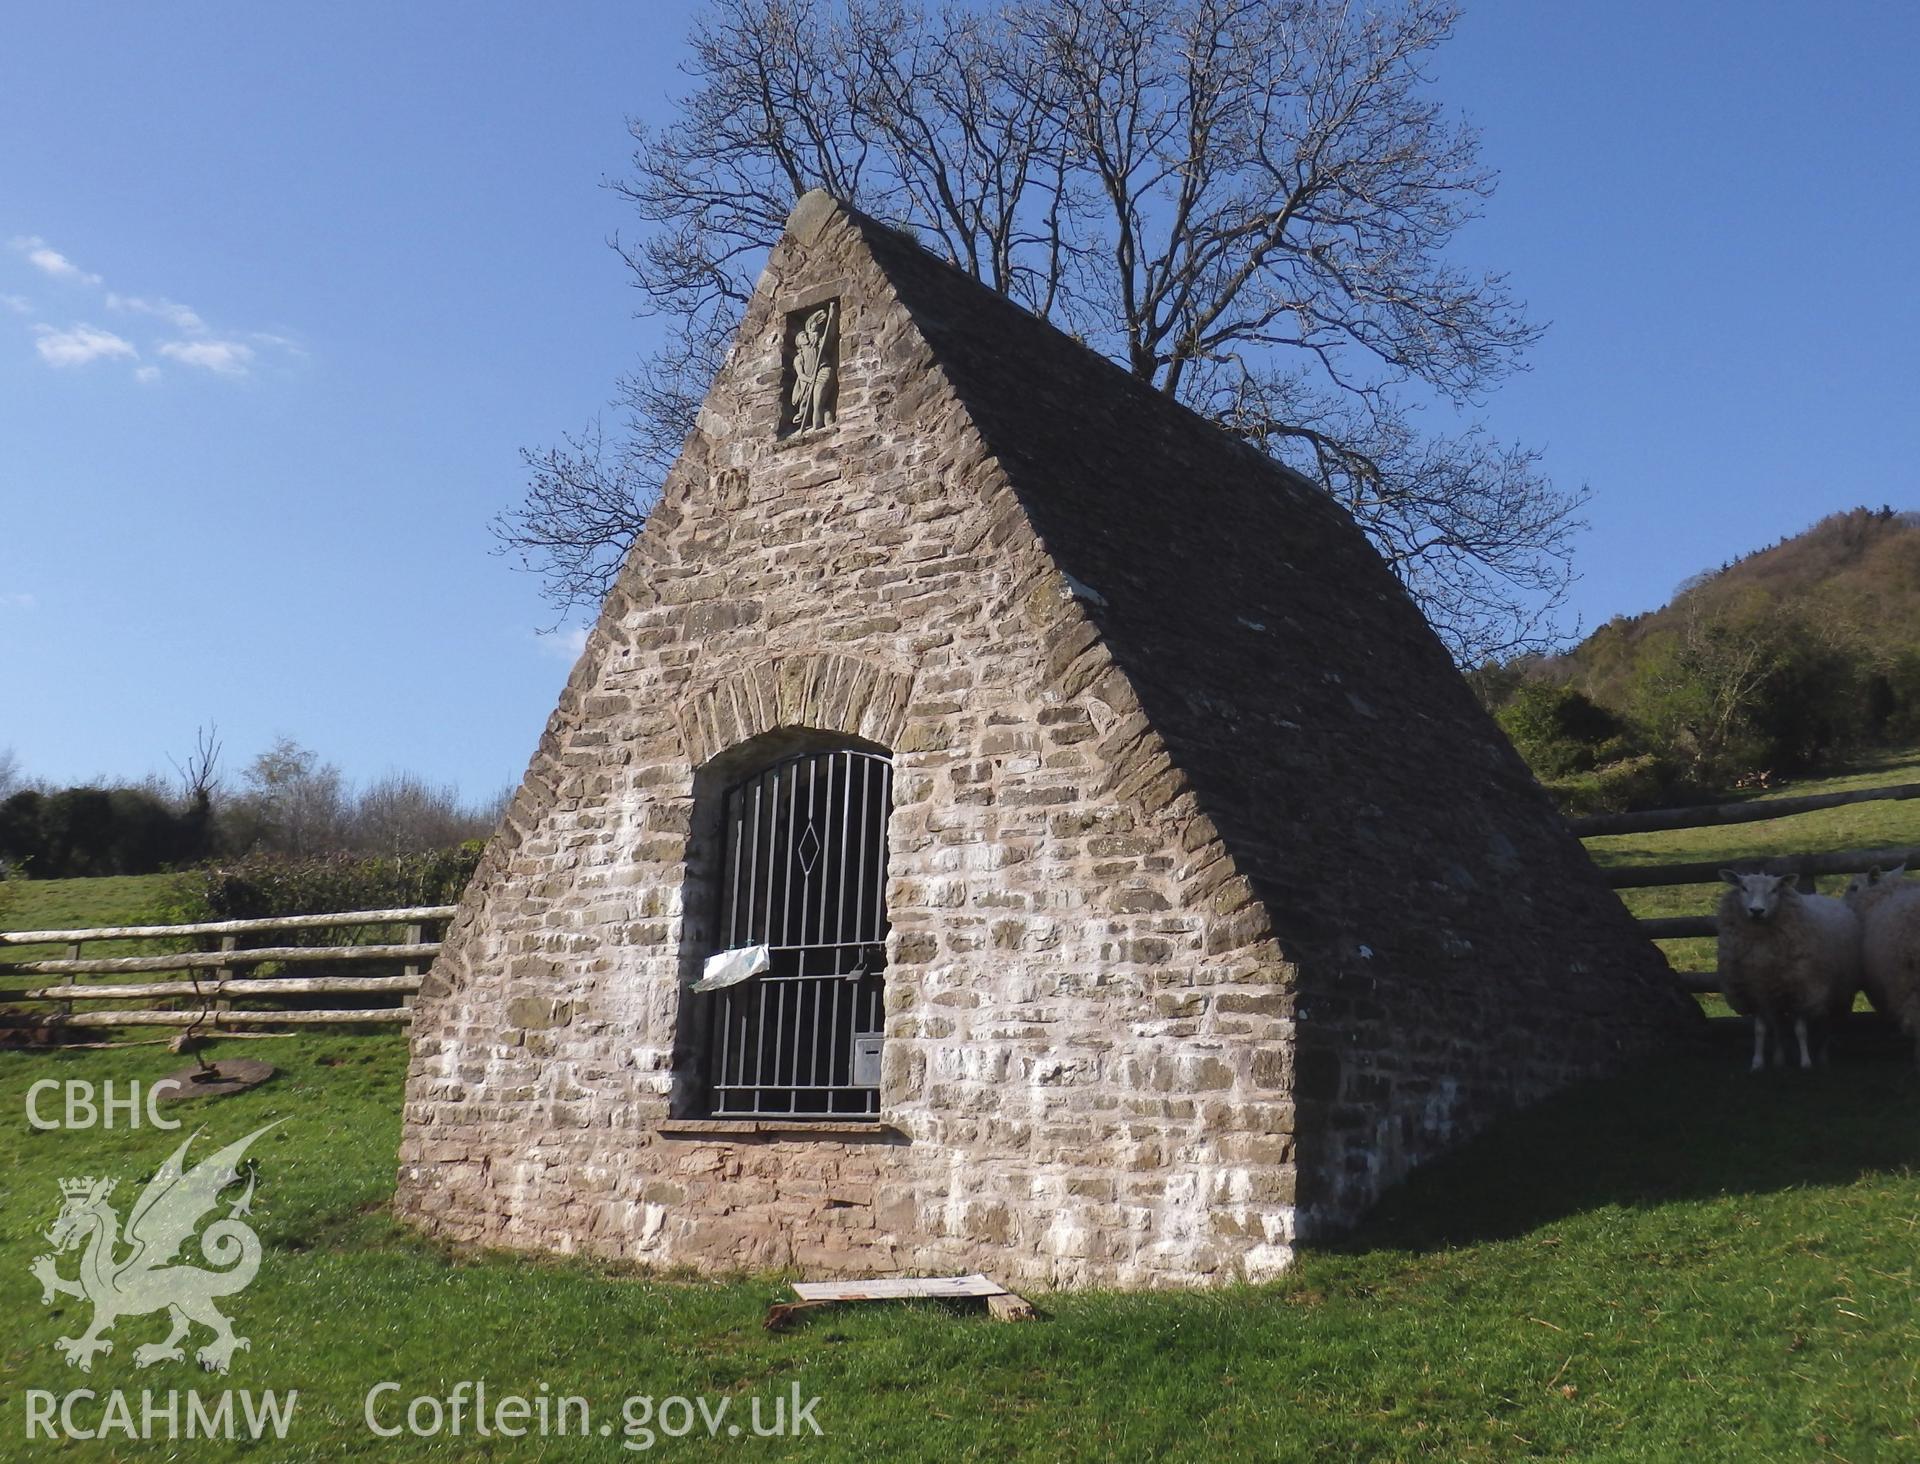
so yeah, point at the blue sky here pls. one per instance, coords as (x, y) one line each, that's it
(284, 288)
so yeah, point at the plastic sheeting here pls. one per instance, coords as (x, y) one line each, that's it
(730, 968)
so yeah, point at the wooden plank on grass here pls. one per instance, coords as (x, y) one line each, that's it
(897, 1288)
(1004, 1305)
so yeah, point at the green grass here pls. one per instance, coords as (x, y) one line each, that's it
(1688, 1264)
(81, 904)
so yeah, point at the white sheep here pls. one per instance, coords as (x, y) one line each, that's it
(1787, 959)
(1889, 910)
(1864, 891)
(1865, 894)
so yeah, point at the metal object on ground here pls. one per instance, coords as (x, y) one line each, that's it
(216, 1080)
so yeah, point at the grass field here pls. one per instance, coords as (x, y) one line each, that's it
(80, 904)
(1689, 1263)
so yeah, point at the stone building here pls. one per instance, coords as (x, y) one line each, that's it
(1001, 822)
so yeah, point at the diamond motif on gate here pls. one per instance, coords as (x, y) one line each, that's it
(809, 849)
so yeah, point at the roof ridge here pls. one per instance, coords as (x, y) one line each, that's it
(817, 207)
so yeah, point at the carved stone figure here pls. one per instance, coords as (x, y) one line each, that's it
(814, 347)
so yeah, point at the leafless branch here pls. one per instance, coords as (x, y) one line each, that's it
(1250, 203)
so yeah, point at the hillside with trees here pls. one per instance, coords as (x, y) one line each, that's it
(1790, 658)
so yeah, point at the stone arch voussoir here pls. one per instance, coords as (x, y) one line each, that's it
(825, 692)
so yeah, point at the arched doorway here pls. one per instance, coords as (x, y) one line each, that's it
(802, 876)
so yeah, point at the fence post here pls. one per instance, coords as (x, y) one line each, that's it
(73, 977)
(416, 933)
(223, 1002)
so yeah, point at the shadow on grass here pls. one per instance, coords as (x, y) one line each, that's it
(1685, 1129)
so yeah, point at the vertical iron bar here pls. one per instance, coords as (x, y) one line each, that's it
(806, 878)
(760, 1046)
(753, 861)
(828, 930)
(734, 802)
(813, 1046)
(740, 1055)
(773, 853)
(779, 1046)
(786, 863)
(860, 892)
(833, 1036)
(833, 916)
(870, 1099)
(834, 930)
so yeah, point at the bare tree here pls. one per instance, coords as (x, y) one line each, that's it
(9, 772)
(200, 773)
(1248, 203)
(404, 814)
(292, 804)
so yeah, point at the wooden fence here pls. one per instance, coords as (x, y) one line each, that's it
(204, 984)
(206, 1000)
(1649, 876)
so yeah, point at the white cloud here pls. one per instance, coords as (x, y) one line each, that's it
(278, 342)
(49, 260)
(80, 344)
(231, 353)
(173, 312)
(565, 645)
(228, 358)
(18, 600)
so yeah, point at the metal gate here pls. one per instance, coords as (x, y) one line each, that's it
(804, 873)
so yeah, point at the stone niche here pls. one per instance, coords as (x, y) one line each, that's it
(810, 367)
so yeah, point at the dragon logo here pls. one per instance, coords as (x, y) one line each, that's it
(141, 1281)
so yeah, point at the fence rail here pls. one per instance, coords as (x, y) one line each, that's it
(1708, 815)
(1842, 861)
(208, 999)
(409, 915)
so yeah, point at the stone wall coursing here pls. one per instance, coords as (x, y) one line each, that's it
(1089, 1062)
(1457, 953)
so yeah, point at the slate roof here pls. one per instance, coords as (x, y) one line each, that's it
(1379, 812)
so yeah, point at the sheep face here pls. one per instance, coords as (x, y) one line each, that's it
(1859, 884)
(1761, 895)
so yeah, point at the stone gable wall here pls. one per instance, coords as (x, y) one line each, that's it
(1088, 1066)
